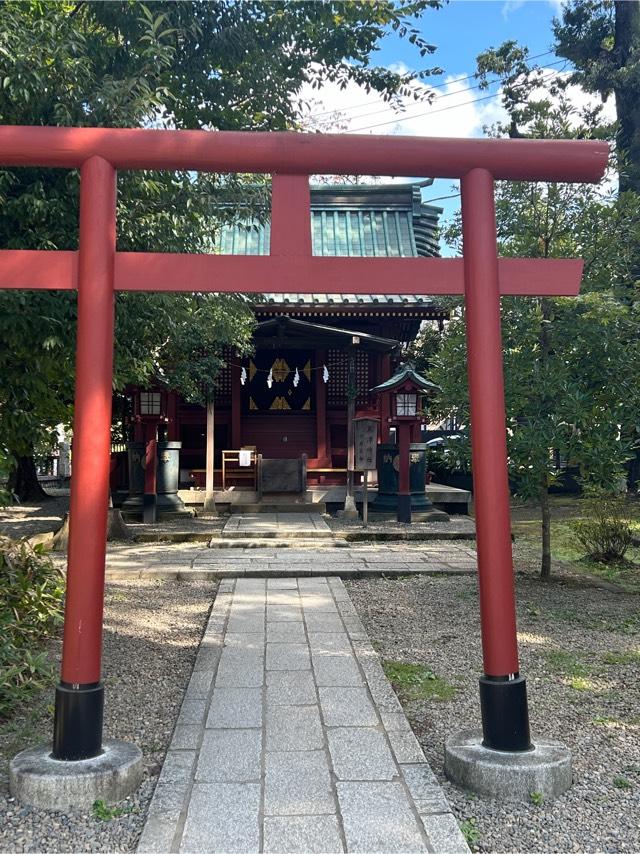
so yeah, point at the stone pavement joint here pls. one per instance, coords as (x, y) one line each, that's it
(197, 562)
(291, 739)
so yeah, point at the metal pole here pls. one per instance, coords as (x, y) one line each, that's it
(503, 696)
(79, 696)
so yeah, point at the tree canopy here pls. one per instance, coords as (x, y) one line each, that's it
(215, 65)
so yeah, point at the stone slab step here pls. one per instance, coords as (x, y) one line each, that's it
(366, 535)
(276, 534)
(277, 541)
(277, 507)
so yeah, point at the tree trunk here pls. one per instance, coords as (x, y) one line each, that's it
(117, 531)
(545, 512)
(23, 481)
(626, 40)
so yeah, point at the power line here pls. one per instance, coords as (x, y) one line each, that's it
(440, 198)
(433, 112)
(434, 86)
(459, 92)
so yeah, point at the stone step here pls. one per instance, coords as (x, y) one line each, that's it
(277, 507)
(277, 542)
(366, 535)
(279, 533)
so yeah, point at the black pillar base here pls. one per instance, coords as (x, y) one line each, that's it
(149, 508)
(403, 513)
(505, 714)
(77, 722)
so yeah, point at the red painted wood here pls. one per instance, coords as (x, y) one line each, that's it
(299, 153)
(34, 269)
(267, 430)
(236, 407)
(290, 215)
(156, 271)
(321, 410)
(82, 644)
(150, 459)
(488, 428)
(384, 403)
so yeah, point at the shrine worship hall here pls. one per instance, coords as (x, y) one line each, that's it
(317, 358)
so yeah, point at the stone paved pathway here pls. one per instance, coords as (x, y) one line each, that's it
(275, 524)
(290, 737)
(163, 560)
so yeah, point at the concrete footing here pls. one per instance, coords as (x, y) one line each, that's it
(544, 771)
(350, 510)
(36, 779)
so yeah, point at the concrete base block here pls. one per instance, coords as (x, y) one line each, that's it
(350, 510)
(36, 779)
(545, 769)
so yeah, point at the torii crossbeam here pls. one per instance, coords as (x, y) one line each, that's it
(96, 270)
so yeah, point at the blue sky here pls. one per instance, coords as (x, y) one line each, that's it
(461, 30)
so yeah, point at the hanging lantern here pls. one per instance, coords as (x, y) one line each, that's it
(243, 376)
(325, 374)
(296, 379)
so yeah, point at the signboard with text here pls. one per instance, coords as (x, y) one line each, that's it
(366, 441)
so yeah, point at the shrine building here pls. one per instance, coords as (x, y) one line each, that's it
(312, 351)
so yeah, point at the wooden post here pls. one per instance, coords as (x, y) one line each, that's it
(350, 510)
(236, 407)
(150, 497)
(209, 497)
(321, 411)
(365, 498)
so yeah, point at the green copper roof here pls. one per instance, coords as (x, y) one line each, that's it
(382, 221)
(405, 372)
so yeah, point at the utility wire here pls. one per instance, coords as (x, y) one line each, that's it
(441, 110)
(433, 86)
(452, 94)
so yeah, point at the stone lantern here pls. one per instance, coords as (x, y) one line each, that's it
(402, 467)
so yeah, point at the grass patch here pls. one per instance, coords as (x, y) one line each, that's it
(103, 812)
(565, 662)
(565, 511)
(416, 682)
(631, 656)
(470, 831)
(622, 783)
(579, 683)
(536, 798)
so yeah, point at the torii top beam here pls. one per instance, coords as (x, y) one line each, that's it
(304, 154)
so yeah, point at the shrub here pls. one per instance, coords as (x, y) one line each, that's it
(31, 595)
(605, 534)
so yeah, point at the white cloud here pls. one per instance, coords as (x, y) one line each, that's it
(454, 112)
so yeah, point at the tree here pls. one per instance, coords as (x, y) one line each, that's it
(215, 65)
(570, 364)
(602, 40)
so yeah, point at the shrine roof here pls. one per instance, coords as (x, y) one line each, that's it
(283, 329)
(405, 372)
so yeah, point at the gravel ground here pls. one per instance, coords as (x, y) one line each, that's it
(152, 632)
(26, 520)
(580, 652)
(454, 524)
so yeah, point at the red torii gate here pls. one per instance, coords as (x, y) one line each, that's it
(97, 270)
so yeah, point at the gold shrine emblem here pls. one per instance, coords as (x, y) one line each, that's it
(279, 403)
(280, 370)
